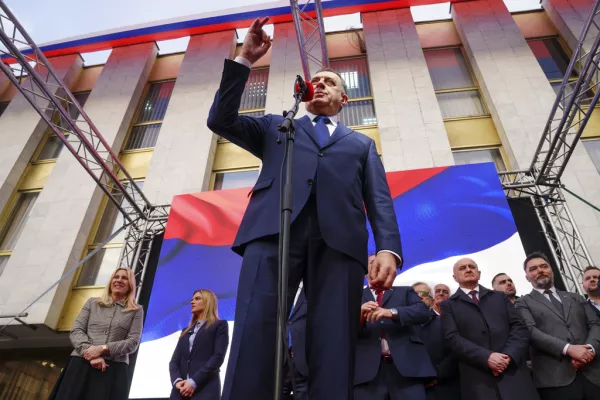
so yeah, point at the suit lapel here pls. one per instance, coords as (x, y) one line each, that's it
(340, 132)
(543, 300)
(368, 295)
(386, 296)
(306, 124)
(201, 331)
(460, 295)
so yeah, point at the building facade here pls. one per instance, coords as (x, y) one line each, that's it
(475, 88)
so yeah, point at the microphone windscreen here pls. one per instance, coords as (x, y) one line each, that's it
(310, 91)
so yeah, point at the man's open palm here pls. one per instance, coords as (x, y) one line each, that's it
(257, 42)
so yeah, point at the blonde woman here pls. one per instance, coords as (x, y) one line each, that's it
(200, 351)
(105, 333)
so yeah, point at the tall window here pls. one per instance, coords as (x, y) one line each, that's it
(235, 179)
(552, 58)
(14, 222)
(456, 90)
(150, 116)
(3, 107)
(254, 97)
(480, 156)
(98, 268)
(52, 145)
(360, 110)
(593, 149)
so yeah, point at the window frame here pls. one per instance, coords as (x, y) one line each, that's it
(91, 244)
(248, 110)
(564, 48)
(8, 210)
(136, 115)
(500, 149)
(476, 86)
(370, 98)
(213, 175)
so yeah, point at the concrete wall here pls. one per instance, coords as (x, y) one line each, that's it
(21, 128)
(520, 98)
(410, 122)
(569, 17)
(184, 153)
(57, 231)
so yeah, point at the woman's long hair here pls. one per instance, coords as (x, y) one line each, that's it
(210, 313)
(130, 304)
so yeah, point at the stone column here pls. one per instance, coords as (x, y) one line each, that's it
(520, 99)
(569, 17)
(21, 127)
(58, 229)
(410, 122)
(184, 152)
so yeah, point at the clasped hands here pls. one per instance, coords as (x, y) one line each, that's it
(185, 388)
(498, 362)
(371, 312)
(93, 355)
(580, 354)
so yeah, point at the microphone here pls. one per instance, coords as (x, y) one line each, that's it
(305, 89)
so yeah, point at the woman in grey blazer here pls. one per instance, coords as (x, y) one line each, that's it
(105, 332)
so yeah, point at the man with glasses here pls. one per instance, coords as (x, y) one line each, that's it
(424, 292)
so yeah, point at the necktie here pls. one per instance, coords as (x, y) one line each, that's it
(473, 294)
(380, 302)
(557, 304)
(321, 129)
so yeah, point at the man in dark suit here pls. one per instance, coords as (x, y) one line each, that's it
(484, 331)
(336, 173)
(447, 385)
(591, 276)
(565, 336)
(297, 377)
(391, 359)
(504, 283)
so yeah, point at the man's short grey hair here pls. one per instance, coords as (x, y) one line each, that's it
(344, 86)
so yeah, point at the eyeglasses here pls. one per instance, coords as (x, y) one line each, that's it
(424, 294)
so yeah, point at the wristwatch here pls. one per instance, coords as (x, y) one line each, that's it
(104, 348)
(394, 313)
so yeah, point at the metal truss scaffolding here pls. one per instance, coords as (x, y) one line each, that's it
(310, 33)
(568, 118)
(38, 82)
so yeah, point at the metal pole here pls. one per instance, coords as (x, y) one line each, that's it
(324, 56)
(300, 36)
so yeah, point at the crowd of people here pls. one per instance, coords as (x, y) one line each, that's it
(418, 343)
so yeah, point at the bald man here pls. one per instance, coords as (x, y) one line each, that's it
(483, 329)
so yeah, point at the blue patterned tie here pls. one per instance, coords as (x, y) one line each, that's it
(321, 129)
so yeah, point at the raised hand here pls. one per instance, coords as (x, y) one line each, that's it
(257, 42)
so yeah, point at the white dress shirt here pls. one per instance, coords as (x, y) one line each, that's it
(593, 303)
(468, 291)
(385, 348)
(557, 297)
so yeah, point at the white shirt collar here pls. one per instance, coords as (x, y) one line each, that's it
(435, 311)
(467, 291)
(552, 289)
(335, 119)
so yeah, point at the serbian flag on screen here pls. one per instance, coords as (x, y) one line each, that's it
(440, 213)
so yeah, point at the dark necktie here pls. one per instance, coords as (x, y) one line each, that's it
(321, 129)
(379, 303)
(557, 304)
(473, 294)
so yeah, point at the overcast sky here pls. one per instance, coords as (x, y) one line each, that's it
(51, 20)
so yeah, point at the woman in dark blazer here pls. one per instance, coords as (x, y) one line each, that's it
(200, 351)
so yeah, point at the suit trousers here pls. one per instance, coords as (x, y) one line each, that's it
(390, 385)
(580, 389)
(333, 285)
(296, 388)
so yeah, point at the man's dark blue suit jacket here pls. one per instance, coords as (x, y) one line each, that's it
(347, 173)
(406, 347)
(297, 329)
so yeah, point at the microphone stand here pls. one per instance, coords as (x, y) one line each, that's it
(288, 129)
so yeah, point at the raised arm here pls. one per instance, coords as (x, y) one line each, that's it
(415, 312)
(223, 119)
(79, 337)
